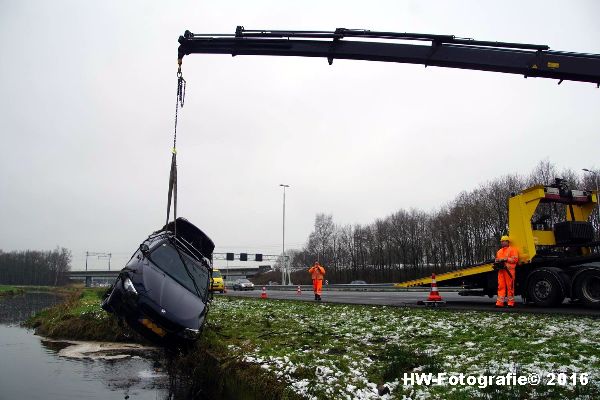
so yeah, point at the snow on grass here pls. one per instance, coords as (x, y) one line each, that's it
(326, 351)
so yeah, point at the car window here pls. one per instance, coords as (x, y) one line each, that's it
(166, 258)
(216, 274)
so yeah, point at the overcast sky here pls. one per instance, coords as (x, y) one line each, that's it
(87, 107)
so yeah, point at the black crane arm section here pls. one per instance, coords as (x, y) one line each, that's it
(529, 60)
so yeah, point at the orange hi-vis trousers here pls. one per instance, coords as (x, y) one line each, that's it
(318, 286)
(506, 287)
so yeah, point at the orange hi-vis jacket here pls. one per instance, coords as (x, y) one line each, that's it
(511, 254)
(317, 272)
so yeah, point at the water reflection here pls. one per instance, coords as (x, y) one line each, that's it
(33, 367)
(16, 309)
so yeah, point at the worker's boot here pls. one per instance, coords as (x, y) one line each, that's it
(316, 296)
(500, 302)
(511, 301)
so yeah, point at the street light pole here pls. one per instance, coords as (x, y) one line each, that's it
(284, 268)
(595, 174)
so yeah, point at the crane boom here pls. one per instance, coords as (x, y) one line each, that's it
(448, 51)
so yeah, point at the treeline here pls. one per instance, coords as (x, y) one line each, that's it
(412, 243)
(32, 267)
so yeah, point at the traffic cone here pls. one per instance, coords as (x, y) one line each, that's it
(434, 296)
(263, 295)
(299, 291)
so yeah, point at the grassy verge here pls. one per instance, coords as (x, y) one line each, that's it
(54, 289)
(286, 350)
(80, 318)
(6, 290)
(326, 351)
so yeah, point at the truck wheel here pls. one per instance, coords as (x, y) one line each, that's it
(544, 289)
(587, 288)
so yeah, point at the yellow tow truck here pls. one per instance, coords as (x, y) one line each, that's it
(558, 257)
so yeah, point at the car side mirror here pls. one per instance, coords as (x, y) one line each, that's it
(144, 249)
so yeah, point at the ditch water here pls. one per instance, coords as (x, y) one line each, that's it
(34, 368)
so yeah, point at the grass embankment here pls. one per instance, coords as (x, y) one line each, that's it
(10, 290)
(328, 351)
(80, 318)
(54, 289)
(255, 348)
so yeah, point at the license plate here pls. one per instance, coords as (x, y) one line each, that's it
(153, 327)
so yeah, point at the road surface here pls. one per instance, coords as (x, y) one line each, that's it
(409, 299)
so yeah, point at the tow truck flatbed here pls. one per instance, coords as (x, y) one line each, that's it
(459, 273)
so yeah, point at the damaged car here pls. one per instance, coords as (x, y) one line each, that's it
(163, 291)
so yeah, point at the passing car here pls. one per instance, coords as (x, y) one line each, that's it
(243, 284)
(216, 282)
(163, 291)
(358, 283)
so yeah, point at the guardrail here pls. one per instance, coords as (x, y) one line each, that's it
(375, 287)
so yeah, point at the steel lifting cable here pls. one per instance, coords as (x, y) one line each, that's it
(173, 174)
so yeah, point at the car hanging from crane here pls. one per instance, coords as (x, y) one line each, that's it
(163, 291)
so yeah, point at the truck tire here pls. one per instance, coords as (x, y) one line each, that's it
(544, 288)
(587, 287)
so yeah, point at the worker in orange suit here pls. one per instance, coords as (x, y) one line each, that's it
(506, 261)
(317, 272)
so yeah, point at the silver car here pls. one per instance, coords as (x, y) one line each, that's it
(243, 284)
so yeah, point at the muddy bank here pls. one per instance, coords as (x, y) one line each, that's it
(80, 317)
(215, 373)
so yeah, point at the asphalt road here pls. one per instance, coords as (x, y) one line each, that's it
(410, 299)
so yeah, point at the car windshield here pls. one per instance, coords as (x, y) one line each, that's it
(166, 258)
(216, 274)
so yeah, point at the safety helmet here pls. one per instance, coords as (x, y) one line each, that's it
(504, 239)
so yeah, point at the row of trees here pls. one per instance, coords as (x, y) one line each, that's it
(35, 267)
(413, 243)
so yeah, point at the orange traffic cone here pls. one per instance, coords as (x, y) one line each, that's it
(434, 296)
(263, 295)
(298, 291)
